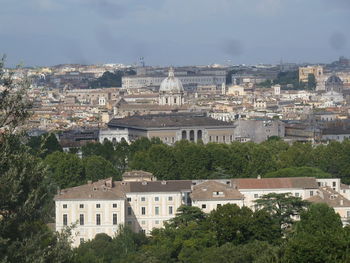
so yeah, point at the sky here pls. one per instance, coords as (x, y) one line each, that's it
(173, 32)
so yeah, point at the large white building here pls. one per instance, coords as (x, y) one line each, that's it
(144, 203)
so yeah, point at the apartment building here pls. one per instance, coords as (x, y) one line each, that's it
(143, 203)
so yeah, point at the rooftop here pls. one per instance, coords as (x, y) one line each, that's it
(273, 183)
(168, 120)
(212, 190)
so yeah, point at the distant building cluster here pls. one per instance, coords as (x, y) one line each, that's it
(236, 103)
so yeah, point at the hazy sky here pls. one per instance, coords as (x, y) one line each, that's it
(173, 32)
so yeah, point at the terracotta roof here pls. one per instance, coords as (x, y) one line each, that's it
(157, 186)
(101, 190)
(273, 183)
(212, 190)
(344, 186)
(330, 197)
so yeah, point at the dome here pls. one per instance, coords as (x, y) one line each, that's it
(171, 84)
(334, 80)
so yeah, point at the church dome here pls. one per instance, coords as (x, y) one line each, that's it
(334, 80)
(171, 84)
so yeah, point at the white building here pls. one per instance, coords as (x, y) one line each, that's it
(113, 135)
(143, 203)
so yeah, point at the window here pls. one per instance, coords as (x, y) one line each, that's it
(156, 210)
(143, 222)
(115, 221)
(143, 210)
(171, 210)
(204, 206)
(157, 222)
(81, 219)
(129, 222)
(65, 219)
(217, 138)
(65, 206)
(129, 211)
(156, 199)
(348, 214)
(311, 193)
(143, 199)
(81, 240)
(114, 205)
(256, 196)
(129, 199)
(210, 138)
(81, 206)
(98, 219)
(98, 205)
(170, 198)
(334, 184)
(296, 194)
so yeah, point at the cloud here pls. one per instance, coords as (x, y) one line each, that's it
(338, 41)
(233, 47)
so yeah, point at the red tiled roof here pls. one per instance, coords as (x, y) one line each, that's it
(273, 183)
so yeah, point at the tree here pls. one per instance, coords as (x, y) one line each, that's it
(106, 249)
(25, 192)
(311, 82)
(65, 169)
(253, 252)
(231, 224)
(282, 207)
(185, 215)
(298, 172)
(96, 168)
(44, 145)
(318, 237)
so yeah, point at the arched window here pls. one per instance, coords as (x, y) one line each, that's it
(199, 135)
(166, 100)
(114, 140)
(192, 135)
(174, 100)
(105, 140)
(184, 135)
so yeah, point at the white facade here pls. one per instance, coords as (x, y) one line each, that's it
(102, 206)
(83, 215)
(145, 211)
(113, 135)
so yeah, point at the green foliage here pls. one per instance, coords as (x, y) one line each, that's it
(298, 172)
(44, 145)
(241, 225)
(65, 169)
(318, 237)
(282, 207)
(96, 168)
(104, 249)
(25, 191)
(289, 77)
(110, 79)
(185, 215)
(311, 82)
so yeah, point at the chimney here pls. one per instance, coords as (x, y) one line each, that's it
(341, 202)
(259, 176)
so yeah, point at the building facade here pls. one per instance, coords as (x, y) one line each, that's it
(144, 203)
(174, 127)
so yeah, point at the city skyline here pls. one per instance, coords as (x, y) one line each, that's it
(50, 32)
